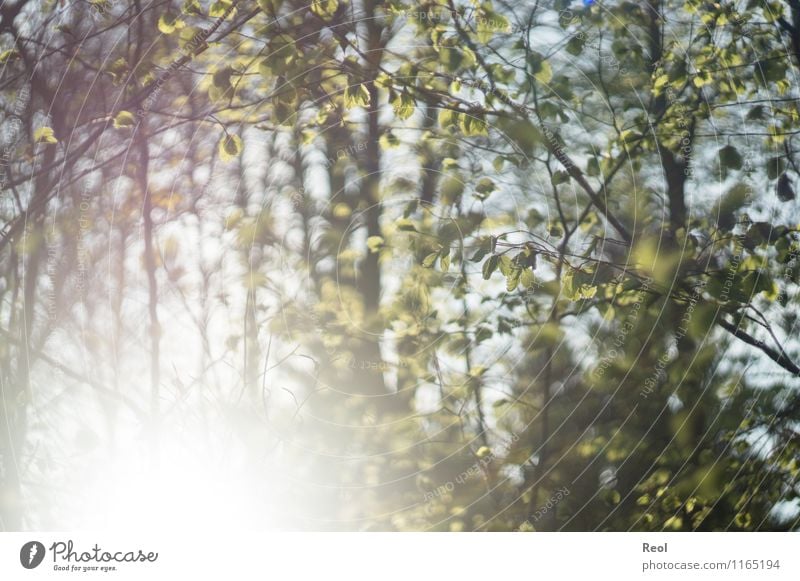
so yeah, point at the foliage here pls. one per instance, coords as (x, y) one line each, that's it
(439, 261)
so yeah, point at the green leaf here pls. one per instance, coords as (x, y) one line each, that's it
(448, 118)
(445, 262)
(559, 177)
(265, 70)
(375, 243)
(512, 279)
(169, 23)
(730, 158)
(490, 266)
(702, 78)
(218, 8)
(189, 39)
(324, 8)
(540, 68)
(484, 187)
(404, 106)
(356, 96)
(482, 333)
(576, 44)
(743, 520)
(505, 264)
(770, 71)
(575, 290)
(451, 190)
(221, 85)
(124, 119)
(430, 260)
(388, 140)
(483, 250)
(222, 77)
(660, 82)
(230, 146)
(757, 113)
(284, 114)
(472, 124)
(490, 23)
(44, 135)
(545, 73)
(405, 225)
(8, 55)
(456, 57)
(527, 278)
(192, 7)
(775, 167)
(269, 6)
(629, 136)
(524, 133)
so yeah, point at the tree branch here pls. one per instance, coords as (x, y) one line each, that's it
(780, 358)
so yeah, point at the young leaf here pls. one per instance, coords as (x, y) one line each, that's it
(730, 158)
(445, 261)
(540, 68)
(482, 251)
(484, 187)
(448, 118)
(404, 106)
(512, 279)
(324, 8)
(218, 8)
(356, 96)
(169, 23)
(775, 167)
(230, 146)
(375, 243)
(430, 260)
(490, 266)
(560, 177)
(124, 119)
(44, 135)
(406, 225)
(527, 278)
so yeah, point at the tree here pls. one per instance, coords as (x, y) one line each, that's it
(451, 266)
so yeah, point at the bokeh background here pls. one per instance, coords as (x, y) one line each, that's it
(361, 265)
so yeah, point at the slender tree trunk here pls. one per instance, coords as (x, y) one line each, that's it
(369, 276)
(152, 294)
